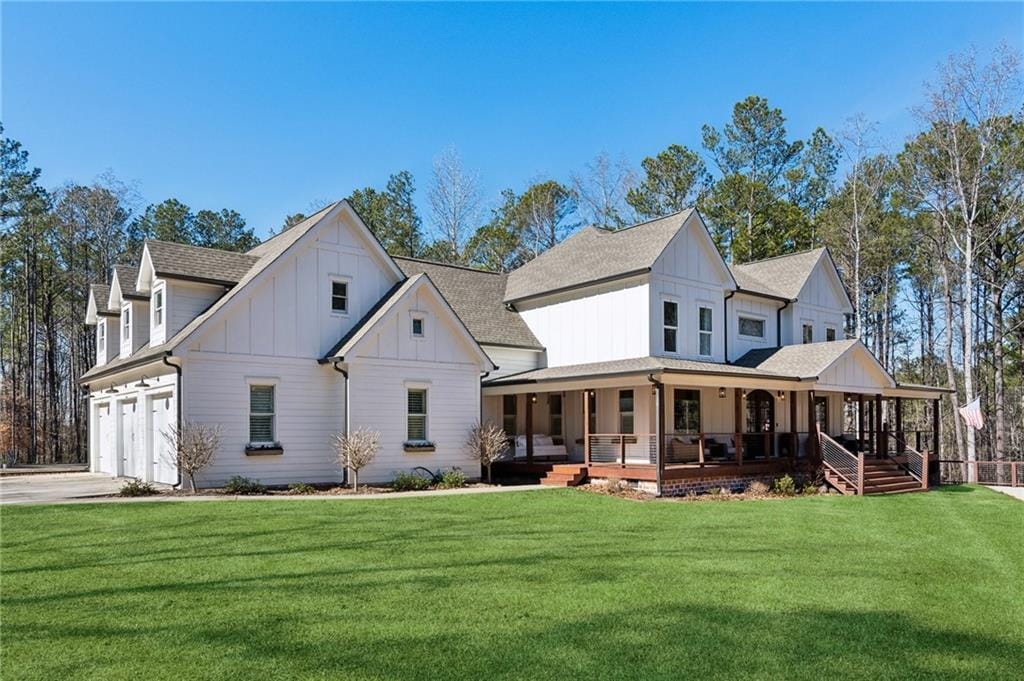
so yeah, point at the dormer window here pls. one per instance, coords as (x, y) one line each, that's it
(101, 339)
(126, 323)
(418, 327)
(158, 307)
(339, 297)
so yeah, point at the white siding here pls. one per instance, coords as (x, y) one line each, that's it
(756, 308)
(819, 304)
(287, 310)
(599, 324)
(183, 302)
(513, 360)
(309, 408)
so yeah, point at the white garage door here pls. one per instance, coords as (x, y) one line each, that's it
(161, 416)
(105, 440)
(132, 456)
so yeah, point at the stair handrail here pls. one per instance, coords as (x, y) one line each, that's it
(841, 461)
(917, 462)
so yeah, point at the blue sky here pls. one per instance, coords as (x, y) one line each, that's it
(265, 108)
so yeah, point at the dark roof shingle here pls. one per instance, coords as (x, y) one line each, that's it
(194, 262)
(783, 276)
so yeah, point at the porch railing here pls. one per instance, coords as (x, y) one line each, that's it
(624, 448)
(842, 462)
(908, 458)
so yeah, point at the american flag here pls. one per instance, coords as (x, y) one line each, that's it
(972, 414)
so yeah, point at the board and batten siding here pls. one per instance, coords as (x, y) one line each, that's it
(183, 302)
(598, 324)
(820, 304)
(513, 360)
(752, 307)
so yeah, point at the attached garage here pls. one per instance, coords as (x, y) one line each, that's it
(161, 418)
(106, 439)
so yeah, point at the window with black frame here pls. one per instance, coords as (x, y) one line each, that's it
(686, 411)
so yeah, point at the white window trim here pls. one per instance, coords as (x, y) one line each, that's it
(340, 279)
(269, 381)
(424, 386)
(126, 328)
(162, 290)
(664, 326)
(710, 306)
(753, 317)
(101, 338)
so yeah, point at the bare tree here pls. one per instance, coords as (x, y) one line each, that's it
(486, 443)
(454, 201)
(601, 192)
(355, 450)
(193, 446)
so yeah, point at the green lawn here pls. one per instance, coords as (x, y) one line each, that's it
(547, 584)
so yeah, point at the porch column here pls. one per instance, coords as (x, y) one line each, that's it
(738, 423)
(530, 397)
(586, 427)
(812, 420)
(860, 421)
(901, 442)
(659, 426)
(935, 428)
(795, 444)
(878, 424)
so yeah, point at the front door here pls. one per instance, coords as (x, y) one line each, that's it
(759, 441)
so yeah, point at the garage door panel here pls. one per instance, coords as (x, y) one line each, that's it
(162, 417)
(105, 440)
(130, 458)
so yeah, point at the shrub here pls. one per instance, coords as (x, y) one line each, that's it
(758, 489)
(192, 447)
(301, 488)
(409, 482)
(242, 486)
(718, 493)
(486, 443)
(784, 486)
(613, 485)
(452, 478)
(810, 489)
(137, 488)
(355, 450)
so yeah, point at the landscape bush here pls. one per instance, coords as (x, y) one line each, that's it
(137, 488)
(405, 481)
(301, 488)
(758, 489)
(243, 486)
(452, 478)
(784, 486)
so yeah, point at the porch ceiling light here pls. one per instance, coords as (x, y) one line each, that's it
(781, 394)
(533, 397)
(142, 383)
(111, 390)
(744, 393)
(721, 392)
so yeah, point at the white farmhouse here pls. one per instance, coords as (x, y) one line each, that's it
(639, 355)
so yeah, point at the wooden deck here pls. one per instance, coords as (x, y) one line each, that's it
(650, 472)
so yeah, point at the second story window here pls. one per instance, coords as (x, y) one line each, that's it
(751, 328)
(830, 334)
(126, 323)
(417, 327)
(626, 412)
(704, 331)
(808, 330)
(158, 308)
(339, 296)
(670, 313)
(101, 339)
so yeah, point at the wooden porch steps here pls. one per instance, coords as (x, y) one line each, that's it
(565, 475)
(881, 476)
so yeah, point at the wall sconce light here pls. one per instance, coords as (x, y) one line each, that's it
(533, 398)
(781, 394)
(721, 392)
(591, 394)
(744, 393)
(111, 390)
(142, 383)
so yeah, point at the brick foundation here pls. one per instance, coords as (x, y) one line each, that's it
(680, 488)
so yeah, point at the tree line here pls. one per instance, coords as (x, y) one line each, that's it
(928, 237)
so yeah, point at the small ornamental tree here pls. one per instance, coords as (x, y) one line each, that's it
(486, 443)
(356, 450)
(193, 446)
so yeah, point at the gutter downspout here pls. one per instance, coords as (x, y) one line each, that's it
(177, 394)
(483, 375)
(725, 322)
(660, 445)
(778, 323)
(344, 372)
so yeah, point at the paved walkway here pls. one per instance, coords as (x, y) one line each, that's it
(1016, 492)
(44, 469)
(88, 488)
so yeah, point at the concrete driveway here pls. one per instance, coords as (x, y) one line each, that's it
(47, 489)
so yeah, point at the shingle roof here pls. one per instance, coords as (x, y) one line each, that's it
(478, 299)
(783, 276)
(594, 254)
(194, 262)
(806, 360)
(635, 365)
(101, 294)
(127, 277)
